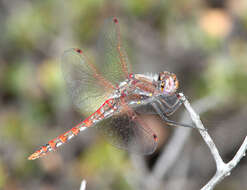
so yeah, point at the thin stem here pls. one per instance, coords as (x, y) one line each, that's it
(204, 133)
(222, 169)
(171, 151)
(83, 185)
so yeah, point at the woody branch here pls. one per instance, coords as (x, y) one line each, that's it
(170, 155)
(222, 169)
(83, 184)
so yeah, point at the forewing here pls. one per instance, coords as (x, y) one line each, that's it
(88, 89)
(128, 132)
(112, 60)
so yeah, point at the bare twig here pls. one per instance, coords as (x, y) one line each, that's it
(174, 147)
(222, 169)
(83, 185)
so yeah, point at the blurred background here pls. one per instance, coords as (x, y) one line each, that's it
(203, 42)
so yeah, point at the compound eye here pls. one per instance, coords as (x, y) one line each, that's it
(159, 79)
(175, 80)
(174, 77)
(162, 86)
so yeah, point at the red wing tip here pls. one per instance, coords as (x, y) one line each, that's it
(115, 20)
(78, 50)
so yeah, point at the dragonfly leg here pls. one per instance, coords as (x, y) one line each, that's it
(162, 99)
(170, 108)
(166, 119)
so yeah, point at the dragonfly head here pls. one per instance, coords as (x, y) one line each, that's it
(168, 82)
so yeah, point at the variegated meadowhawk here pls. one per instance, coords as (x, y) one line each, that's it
(119, 95)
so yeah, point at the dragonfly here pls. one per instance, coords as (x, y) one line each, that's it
(118, 96)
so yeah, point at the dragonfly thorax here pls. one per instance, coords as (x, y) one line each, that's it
(167, 82)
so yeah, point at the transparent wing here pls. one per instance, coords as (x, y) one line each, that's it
(88, 89)
(113, 61)
(128, 132)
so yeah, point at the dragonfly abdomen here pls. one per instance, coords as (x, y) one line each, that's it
(104, 111)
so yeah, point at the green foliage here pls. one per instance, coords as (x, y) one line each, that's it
(2, 175)
(34, 104)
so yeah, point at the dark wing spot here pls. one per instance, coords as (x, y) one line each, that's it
(78, 50)
(155, 137)
(115, 20)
